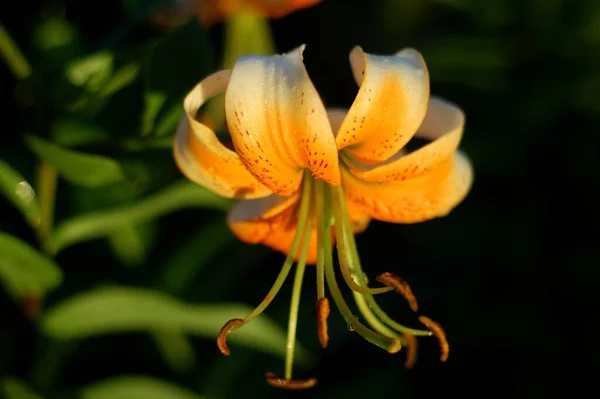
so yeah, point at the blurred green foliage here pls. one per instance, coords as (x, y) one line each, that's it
(117, 273)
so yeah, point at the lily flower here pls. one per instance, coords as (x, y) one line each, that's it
(308, 177)
(212, 11)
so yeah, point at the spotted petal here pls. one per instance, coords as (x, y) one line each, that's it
(443, 124)
(272, 221)
(202, 158)
(389, 107)
(420, 198)
(278, 123)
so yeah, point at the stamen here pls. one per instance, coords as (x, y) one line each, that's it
(346, 247)
(392, 345)
(303, 217)
(323, 310)
(401, 287)
(295, 304)
(285, 383)
(371, 318)
(411, 350)
(381, 314)
(230, 326)
(439, 333)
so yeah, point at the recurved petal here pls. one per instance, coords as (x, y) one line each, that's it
(443, 124)
(202, 158)
(270, 221)
(278, 123)
(389, 107)
(279, 8)
(423, 197)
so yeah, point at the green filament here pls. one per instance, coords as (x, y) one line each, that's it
(295, 303)
(303, 217)
(389, 344)
(347, 254)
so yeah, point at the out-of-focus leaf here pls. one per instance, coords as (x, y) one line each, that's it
(131, 243)
(13, 388)
(183, 194)
(121, 78)
(12, 56)
(190, 257)
(91, 72)
(175, 348)
(19, 192)
(24, 271)
(75, 132)
(77, 167)
(125, 309)
(135, 387)
(173, 67)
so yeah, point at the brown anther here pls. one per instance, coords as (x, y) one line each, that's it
(395, 346)
(230, 326)
(411, 350)
(439, 333)
(323, 310)
(401, 287)
(280, 382)
(31, 306)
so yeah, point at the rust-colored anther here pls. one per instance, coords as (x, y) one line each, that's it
(230, 326)
(411, 350)
(323, 310)
(401, 287)
(280, 382)
(439, 333)
(395, 346)
(31, 306)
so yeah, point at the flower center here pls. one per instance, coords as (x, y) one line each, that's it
(325, 205)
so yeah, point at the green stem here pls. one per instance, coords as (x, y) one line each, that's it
(46, 191)
(295, 303)
(13, 57)
(389, 344)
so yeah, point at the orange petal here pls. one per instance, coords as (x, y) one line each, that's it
(389, 107)
(278, 8)
(423, 197)
(278, 123)
(211, 11)
(270, 221)
(202, 158)
(443, 123)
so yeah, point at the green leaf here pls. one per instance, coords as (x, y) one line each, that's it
(13, 388)
(75, 132)
(77, 167)
(135, 387)
(20, 193)
(193, 255)
(173, 67)
(126, 309)
(25, 271)
(183, 194)
(131, 243)
(175, 348)
(91, 72)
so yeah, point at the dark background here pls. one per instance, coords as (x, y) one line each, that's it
(511, 273)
